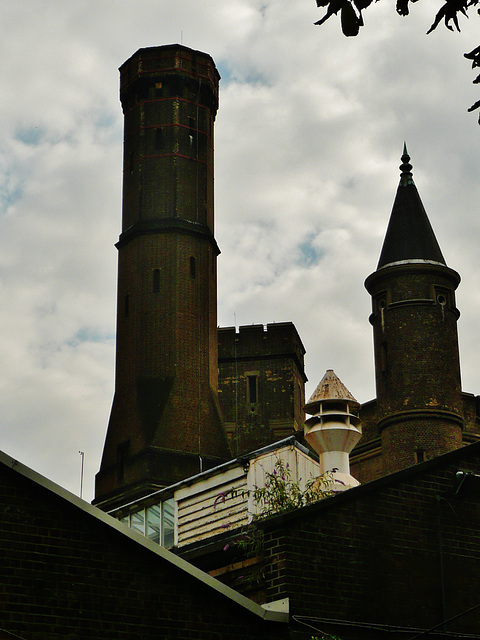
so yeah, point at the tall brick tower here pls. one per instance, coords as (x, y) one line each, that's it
(419, 402)
(165, 421)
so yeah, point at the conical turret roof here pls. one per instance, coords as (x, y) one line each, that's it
(330, 387)
(409, 234)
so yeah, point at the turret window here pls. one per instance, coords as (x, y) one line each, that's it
(380, 303)
(442, 297)
(383, 357)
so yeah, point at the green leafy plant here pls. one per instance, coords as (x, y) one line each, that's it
(280, 493)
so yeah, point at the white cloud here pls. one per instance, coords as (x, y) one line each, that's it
(308, 140)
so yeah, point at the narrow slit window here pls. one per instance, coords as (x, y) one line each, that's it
(156, 280)
(252, 389)
(383, 357)
(158, 139)
(420, 455)
(122, 455)
(191, 131)
(193, 268)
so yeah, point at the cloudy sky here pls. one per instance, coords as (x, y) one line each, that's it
(308, 142)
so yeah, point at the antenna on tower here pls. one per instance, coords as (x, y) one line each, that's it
(82, 455)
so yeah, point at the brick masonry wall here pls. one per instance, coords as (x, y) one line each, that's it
(417, 368)
(67, 575)
(274, 356)
(367, 460)
(375, 554)
(166, 356)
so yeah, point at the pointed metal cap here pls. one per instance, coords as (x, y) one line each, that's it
(330, 387)
(409, 234)
(406, 176)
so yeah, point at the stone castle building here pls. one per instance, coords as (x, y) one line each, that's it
(189, 397)
(394, 557)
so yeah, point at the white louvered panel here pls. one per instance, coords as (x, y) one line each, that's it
(210, 512)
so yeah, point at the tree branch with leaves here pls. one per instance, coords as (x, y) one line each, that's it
(351, 20)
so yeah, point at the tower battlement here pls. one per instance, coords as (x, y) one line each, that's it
(261, 383)
(258, 340)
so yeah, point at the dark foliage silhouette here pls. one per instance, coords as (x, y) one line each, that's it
(351, 20)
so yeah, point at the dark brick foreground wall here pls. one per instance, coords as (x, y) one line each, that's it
(64, 575)
(376, 553)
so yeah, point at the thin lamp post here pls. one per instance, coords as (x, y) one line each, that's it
(82, 454)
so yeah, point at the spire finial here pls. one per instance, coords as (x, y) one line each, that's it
(406, 177)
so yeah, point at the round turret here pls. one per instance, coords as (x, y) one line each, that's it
(414, 319)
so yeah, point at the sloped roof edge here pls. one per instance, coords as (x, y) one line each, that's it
(165, 554)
